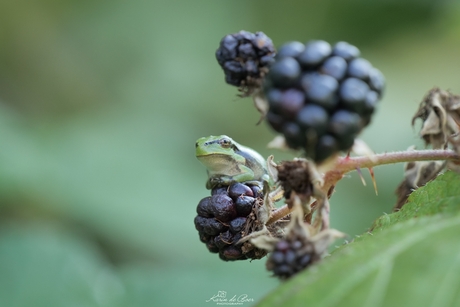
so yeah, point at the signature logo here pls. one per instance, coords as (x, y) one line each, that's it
(221, 299)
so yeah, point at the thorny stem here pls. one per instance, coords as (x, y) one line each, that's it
(347, 164)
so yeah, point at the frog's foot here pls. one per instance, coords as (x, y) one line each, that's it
(219, 181)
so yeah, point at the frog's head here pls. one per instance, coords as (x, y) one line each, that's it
(212, 145)
(214, 150)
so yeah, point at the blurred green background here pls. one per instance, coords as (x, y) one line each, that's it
(100, 106)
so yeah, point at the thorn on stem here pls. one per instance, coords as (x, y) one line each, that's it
(361, 176)
(371, 171)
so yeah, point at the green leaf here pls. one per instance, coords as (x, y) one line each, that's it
(407, 262)
(438, 196)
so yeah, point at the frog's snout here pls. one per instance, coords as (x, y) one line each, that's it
(196, 144)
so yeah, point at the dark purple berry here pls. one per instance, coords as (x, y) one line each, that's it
(326, 147)
(243, 205)
(222, 208)
(346, 51)
(204, 237)
(282, 246)
(314, 54)
(291, 49)
(372, 98)
(228, 49)
(223, 239)
(377, 80)
(314, 118)
(244, 57)
(284, 73)
(212, 247)
(238, 189)
(345, 125)
(257, 191)
(353, 94)
(234, 71)
(359, 68)
(335, 66)
(237, 224)
(213, 227)
(204, 207)
(283, 271)
(277, 257)
(334, 79)
(276, 121)
(222, 219)
(275, 98)
(246, 51)
(292, 101)
(219, 190)
(289, 256)
(231, 253)
(321, 89)
(294, 135)
(199, 223)
(305, 260)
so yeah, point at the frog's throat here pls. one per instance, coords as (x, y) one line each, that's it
(220, 164)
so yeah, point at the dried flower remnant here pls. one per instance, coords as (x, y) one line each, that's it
(298, 249)
(440, 113)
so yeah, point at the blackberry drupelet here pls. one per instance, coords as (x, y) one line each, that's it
(321, 97)
(223, 219)
(244, 57)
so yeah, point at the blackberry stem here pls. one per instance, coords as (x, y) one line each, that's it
(348, 164)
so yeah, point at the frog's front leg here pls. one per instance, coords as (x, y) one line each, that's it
(246, 175)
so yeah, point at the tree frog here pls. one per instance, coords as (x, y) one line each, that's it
(228, 162)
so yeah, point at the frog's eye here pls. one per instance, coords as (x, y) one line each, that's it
(226, 143)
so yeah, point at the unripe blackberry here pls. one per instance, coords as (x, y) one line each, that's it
(320, 96)
(224, 218)
(244, 57)
(291, 255)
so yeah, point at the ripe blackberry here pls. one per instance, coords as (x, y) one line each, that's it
(244, 57)
(225, 217)
(320, 96)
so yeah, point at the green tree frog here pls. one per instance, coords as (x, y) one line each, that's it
(228, 162)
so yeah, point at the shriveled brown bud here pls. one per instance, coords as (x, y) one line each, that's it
(440, 113)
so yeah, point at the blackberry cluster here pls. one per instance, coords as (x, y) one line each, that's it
(225, 217)
(291, 255)
(320, 97)
(244, 57)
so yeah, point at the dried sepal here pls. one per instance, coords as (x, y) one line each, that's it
(272, 168)
(262, 214)
(440, 113)
(360, 148)
(279, 142)
(261, 104)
